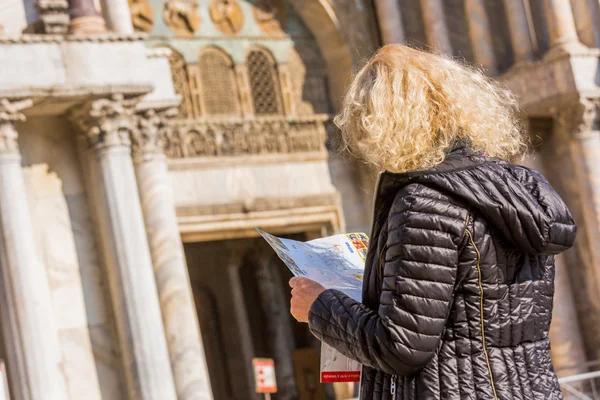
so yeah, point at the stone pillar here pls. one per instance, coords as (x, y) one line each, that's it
(577, 161)
(170, 270)
(518, 27)
(117, 16)
(107, 125)
(568, 352)
(276, 308)
(481, 35)
(391, 27)
(85, 18)
(436, 29)
(28, 324)
(561, 24)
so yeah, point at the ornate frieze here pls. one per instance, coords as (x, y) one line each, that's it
(152, 126)
(10, 112)
(106, 122)
(238, 137)
(182, 16)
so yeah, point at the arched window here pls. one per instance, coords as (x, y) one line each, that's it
(217, 80)
(264, 83)
(179, 73)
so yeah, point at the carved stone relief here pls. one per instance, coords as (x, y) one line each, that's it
(10, 112)
(182, 17)
(270, 16)
(106, 122)
(227, 16)
(142, 15)
(147, 140)
(244, 137)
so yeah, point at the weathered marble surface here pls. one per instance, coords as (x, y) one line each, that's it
(50, 216)
(170, 271)
(50, 141)
(13, 17)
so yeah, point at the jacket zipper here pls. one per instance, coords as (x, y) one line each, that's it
(480, 283)
(393, 386)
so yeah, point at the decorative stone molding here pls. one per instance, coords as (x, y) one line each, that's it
(106, 122)
(147, 140)
(238, 137)
(182, 17)
(579, 118)
(49, 38)
(10, 112)
(54, 16)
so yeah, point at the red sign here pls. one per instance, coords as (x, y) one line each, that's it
(264, 375)
(340, 376)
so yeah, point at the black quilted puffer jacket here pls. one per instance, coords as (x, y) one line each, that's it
(458, 286)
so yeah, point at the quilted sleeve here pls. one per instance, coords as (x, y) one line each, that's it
(425, 230)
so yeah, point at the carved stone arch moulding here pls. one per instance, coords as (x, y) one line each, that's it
(219, 94)
(226, 15)
(181, 16)
(181, 83)
(264, 82)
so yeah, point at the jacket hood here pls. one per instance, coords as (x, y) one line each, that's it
(517, 201)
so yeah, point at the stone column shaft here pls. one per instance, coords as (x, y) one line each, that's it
(481, 36)
(179, 315)
(389, 16)
(117, 16)
(561, 24)
(579, 169)
(568, 351)
(518, 27)
(29, 328)
(85, 18)
(107, 126)
(436, 28)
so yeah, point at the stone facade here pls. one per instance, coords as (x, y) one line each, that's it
(142, 141)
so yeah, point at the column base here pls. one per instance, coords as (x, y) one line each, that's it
(88, 25)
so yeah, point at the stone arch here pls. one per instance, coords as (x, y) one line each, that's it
(219, 91)
(320, 18)
(264, 83)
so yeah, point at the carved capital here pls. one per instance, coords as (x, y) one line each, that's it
(579, 118)
(10, 112)
(54, 16)
(148, 139)
(106, 122)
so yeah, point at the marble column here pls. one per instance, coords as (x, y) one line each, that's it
(585, 14)
(520, 34)
(561, 24)
(179, 316)
(391, 27)
(436, 28)
(117, 16)
(29, 327)
(577, 160)
(568, 352)
(85, 18)
(481, 35)
(106, 125)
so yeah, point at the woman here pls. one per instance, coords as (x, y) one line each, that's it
(458, 284)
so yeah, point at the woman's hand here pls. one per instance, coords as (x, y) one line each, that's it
(304, 292)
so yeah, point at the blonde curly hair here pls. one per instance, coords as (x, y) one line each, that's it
(406, 108)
